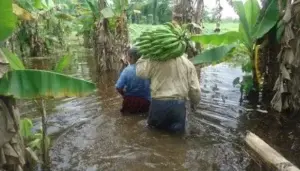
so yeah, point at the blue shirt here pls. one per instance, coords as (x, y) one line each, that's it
(133, 85)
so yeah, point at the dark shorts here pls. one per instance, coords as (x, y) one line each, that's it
(169, 115)
(135, 105)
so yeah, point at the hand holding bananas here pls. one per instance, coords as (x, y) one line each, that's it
(164, 43)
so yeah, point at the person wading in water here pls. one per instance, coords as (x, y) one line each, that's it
(135, 90)
(172, 82)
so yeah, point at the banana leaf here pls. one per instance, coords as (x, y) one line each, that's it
(7, 19)
(217, 39)
(38, 4)
(35, 84)
(63, 63)
(244, 26)
(213, 55)
(25, 127)
(252, 11)
(268, 20)
(21, 13)
(14, 61)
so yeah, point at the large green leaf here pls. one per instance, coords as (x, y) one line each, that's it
(269, 18)
(63, 63)
(213, 55)
(244, 26)
(14, 61)
(252, 11)
(34, 84)
(217, 39)
(38, 4)
(25, 127)
(7, 19)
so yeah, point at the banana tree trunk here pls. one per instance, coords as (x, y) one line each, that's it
(11, 142)
(103, 48)
(110, 44)
(155, 12)
(287, 96)
(183, 11)
(268, 66)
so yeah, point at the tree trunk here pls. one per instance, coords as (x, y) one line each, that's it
(269, 50)
(103, 43)
(154, 12)
(11, 142)
(110, 44)
(287, 96)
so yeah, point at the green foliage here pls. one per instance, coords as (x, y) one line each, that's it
(38, 4)
(247, 67)
(94, 8)
(244, 27)
(164, 12)
(37, 141)
(26, 127)
(14, 61)
(252, 26)
(252, 11)
(269, 18)
(214, 54)
(63, 63)
(216, 38)
(246, 84)
(7, 19)
(35, 84)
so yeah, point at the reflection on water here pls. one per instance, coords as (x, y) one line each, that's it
(94, 136)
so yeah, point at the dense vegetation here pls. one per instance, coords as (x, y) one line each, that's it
(34, 29)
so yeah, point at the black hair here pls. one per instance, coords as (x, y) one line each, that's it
(134, 53)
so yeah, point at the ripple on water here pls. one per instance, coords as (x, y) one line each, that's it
(109, 141)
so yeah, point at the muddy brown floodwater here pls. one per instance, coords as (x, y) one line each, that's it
(89, 134)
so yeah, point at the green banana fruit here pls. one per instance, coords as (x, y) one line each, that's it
(164, 43)
(172, 45)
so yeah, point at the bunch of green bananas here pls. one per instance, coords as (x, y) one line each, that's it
(164, 43)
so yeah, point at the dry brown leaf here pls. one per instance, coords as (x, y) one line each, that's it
(277, 102)
(296, 61)
(285, 104)
(288, 12)
(277, 84)
(288, 34)
(284, 72)
(288, 56)
(280, 54)
(21, 13)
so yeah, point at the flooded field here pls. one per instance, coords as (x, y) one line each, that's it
(89, 134)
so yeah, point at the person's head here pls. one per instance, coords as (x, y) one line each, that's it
(133, 55)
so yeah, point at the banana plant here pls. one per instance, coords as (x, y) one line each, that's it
(32, 141)
(253, 24)
(24, 83)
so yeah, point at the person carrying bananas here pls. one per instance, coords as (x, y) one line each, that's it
(172, 83)
(135, 90)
